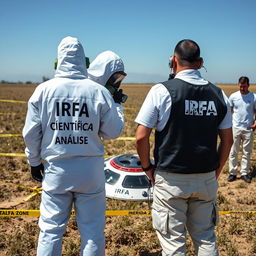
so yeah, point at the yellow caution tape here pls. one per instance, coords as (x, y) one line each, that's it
(38, 190)
(126, 115)
(236, 212)
(24, 155)
(127, 212)
(9, 135)
(126, 108)
(15, 213)
(20, 186)
(35, 192)
(14, 101)
(12, 154)
(22, 101)
(3, 135)
(19, 135)
(130, 138)
(32, 195)
(36, 213)
(12, 113)
(125, 138)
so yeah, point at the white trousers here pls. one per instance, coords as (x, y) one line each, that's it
(185, 202)
(242, 138)
(90, 216)
(78, 182)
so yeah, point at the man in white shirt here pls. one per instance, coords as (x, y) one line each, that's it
(243, 106)
(67, 118)
(188, 113)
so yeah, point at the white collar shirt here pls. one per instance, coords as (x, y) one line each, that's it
(156, 108)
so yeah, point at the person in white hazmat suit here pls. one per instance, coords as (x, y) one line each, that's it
(66, 119)
(108, 70)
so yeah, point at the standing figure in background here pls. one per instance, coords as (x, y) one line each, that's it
(243, 107)
(68, 116)
(188, 113)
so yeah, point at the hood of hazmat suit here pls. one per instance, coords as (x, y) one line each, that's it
(104, 66)
(71, 59)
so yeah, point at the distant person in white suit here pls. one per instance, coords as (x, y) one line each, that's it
(243, 106)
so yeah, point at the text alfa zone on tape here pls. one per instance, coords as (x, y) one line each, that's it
(36, 213)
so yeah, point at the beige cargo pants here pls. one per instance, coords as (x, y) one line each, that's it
(244, 137)
(185, 202)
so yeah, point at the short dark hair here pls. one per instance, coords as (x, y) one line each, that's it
(243, 80)
(187, 51)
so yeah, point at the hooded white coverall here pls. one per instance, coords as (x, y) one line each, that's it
(104, 66)
(66, 119)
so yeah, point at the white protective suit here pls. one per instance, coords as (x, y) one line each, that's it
(104, 66)
(67, 117)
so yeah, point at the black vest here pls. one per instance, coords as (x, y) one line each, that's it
(188, 142)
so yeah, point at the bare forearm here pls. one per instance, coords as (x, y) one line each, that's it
(142, 144)
(223, 152)
(143, 149)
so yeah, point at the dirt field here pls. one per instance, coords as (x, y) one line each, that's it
(125, 235)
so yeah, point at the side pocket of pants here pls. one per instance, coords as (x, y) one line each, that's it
(160, 220)
(215, 214)
(211, 187)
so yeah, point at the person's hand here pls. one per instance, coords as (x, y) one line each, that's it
(150, 174)
(253, 127)
(37, 172)
(119, 97)
(149, 171)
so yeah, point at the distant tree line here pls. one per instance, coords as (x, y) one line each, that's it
(18, 82)
(44, 78)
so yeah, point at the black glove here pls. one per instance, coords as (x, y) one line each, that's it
(119, 97)
(37, 172)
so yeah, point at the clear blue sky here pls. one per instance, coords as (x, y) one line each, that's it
(143, 32)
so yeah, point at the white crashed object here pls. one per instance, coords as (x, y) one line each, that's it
(125, 180)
